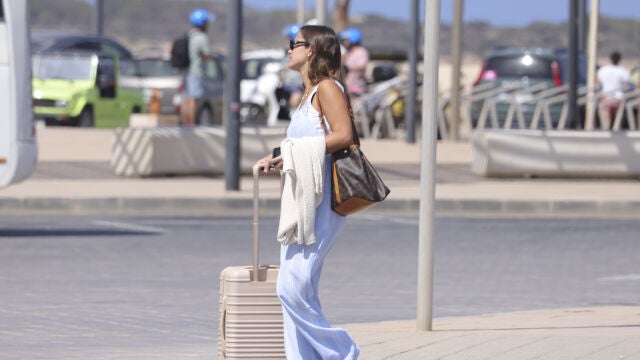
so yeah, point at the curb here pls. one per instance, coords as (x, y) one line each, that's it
(271, 206)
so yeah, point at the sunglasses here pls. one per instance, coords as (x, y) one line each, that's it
(294, 44)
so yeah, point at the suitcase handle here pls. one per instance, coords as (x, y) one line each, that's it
(256, 193)
(256, 233)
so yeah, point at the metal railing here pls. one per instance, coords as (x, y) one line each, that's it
(374, 111)
(629, 100)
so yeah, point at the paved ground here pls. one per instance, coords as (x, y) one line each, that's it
(73, 176)
(581, 333)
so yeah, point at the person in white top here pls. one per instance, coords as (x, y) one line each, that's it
(613, 79)
(315, 54)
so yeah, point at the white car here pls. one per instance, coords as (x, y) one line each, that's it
(154, 71)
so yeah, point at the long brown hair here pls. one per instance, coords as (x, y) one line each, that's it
(326, 60)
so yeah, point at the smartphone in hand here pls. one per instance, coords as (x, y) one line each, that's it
(275, 154)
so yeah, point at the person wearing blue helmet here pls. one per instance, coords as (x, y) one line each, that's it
(290, 80)
(291, 31)
(355, 61)
(199, 54)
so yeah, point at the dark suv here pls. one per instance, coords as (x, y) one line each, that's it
(58, 42)
(517, 69)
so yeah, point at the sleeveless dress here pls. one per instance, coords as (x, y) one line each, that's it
(307, 334)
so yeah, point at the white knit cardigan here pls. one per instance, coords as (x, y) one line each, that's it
(303, 167)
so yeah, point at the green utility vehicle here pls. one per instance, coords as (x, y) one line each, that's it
(82, 90)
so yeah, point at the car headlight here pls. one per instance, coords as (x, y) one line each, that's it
(61, 103)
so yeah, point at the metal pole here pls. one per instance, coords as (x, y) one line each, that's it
(321, 11)
(582, 26)
(300, 17)
(456, 55)
(98, 15)
(410, 109)
(428, 164)
(232, 109)
(594, 12)
(572, 114)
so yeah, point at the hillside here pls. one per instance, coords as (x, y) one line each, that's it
(142, 24)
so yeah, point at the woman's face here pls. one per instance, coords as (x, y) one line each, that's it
(300, 53)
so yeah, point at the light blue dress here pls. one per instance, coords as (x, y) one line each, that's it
(307, 334)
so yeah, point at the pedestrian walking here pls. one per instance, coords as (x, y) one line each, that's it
(199, 54)
(308, 226)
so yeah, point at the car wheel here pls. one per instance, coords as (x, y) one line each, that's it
(86, 118)
(205, 116)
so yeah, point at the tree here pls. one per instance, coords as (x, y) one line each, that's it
(341, 15)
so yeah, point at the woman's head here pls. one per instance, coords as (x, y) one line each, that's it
(325, 57)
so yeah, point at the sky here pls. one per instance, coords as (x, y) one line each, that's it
(502, 13)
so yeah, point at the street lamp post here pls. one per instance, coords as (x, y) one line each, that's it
(428, 164)
(232, 144)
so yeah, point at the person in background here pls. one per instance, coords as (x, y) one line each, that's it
(306, 242)
(355, 61)
(290, 79)
(614, 79)
(199, 53)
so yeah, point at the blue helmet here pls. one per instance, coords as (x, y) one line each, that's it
(353, 35)
(199, 17)
(291, 31)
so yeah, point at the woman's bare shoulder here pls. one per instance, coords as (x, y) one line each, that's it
(329, 85)
(329, 88)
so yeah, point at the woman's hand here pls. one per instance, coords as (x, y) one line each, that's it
(270, 164)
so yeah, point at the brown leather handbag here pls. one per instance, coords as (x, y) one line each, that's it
(355, 183)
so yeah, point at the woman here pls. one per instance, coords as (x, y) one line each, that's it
(315, 53)
(355, 61)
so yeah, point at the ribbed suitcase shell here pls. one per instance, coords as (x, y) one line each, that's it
(250, 311)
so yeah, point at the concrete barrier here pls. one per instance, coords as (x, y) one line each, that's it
(139, 152)
(588, 154)
(152, 120)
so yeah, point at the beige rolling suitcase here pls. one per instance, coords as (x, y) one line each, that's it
(250, 311)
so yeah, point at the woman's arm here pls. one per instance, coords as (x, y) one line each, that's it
(334, 107)
(270, 164)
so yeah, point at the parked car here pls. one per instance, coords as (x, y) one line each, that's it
(208, 110)
(62, 42)
(563, 61)
(518, 68)
(154, 71)
(81, 89)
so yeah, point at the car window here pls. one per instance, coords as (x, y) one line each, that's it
(156, 68)
(89, 46)
(251, 68)
(113, 50)
(62, 67)
(521, 66)
(213, 70)
(1, 12)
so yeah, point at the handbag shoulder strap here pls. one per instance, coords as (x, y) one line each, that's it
(354, 132)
